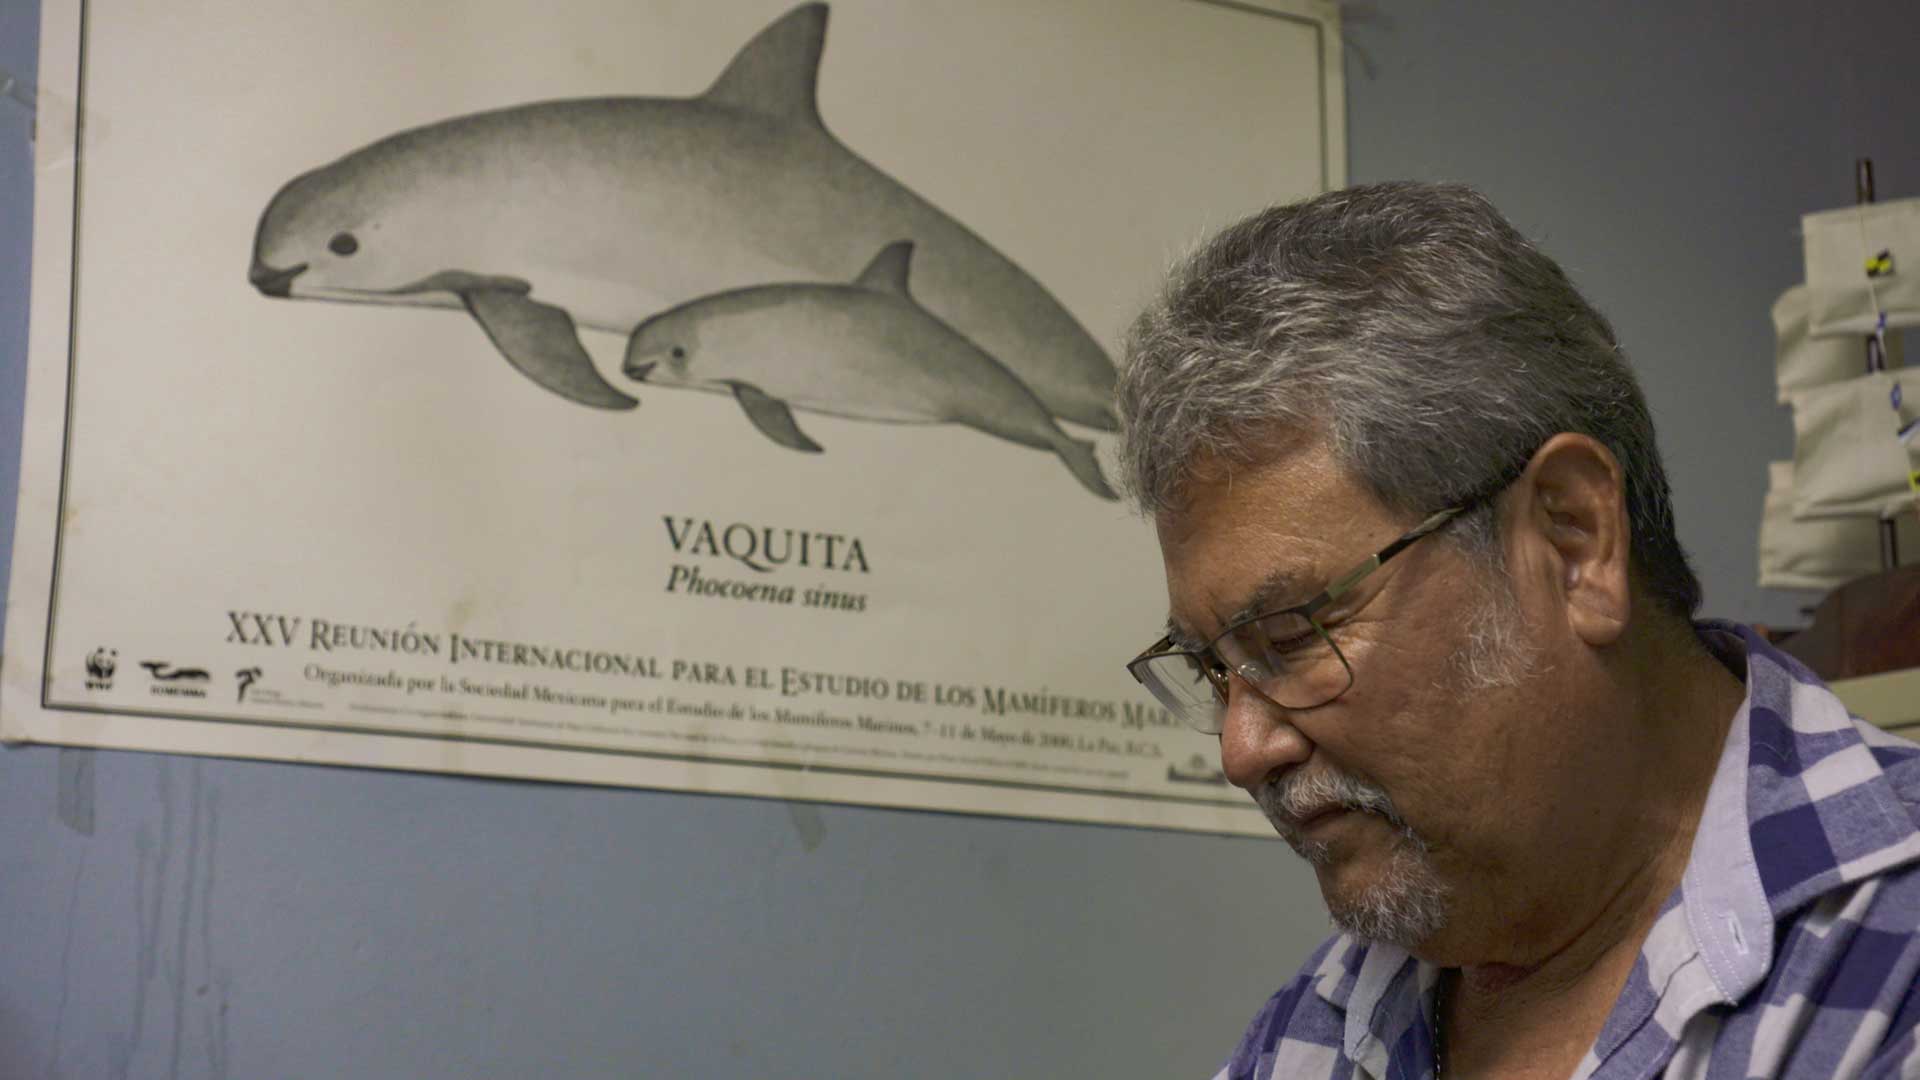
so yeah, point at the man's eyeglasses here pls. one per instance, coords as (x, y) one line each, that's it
(1286, 656)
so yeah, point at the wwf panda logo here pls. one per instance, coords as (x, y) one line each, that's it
(100, 665)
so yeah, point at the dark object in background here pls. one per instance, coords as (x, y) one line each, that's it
(1867, 626)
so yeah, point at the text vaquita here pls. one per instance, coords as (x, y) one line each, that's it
(762, 547)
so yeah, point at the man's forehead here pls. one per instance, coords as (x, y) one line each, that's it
(1279, 459)
(1250, 538)
(1298, 492)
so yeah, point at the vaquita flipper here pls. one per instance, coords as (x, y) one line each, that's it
(541, 341)
(773, 418)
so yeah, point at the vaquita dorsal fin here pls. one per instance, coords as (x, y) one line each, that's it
(776, 72)
(887, 272)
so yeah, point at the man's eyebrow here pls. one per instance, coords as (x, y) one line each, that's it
(1277, 590)
(1179, 638)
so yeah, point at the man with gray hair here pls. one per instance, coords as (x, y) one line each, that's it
(1424, 587)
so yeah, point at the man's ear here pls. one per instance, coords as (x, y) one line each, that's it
(1575, 501)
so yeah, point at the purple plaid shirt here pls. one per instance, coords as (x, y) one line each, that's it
(1790, 949)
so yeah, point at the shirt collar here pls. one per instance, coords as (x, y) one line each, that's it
(1819, 809)
(1800, 806)
(1721, 893)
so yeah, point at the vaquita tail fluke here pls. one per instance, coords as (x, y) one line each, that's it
(1080, 458)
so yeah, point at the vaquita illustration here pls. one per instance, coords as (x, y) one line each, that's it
(545, 219)
(864, 350)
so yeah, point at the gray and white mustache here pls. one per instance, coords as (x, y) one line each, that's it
(1295, 797)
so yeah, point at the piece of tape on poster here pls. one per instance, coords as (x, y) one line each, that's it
(51, 115)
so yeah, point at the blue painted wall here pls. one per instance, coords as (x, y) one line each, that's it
(175, 917)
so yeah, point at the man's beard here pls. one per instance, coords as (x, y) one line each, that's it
(1410, 902)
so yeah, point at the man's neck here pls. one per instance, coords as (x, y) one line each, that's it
(1534, 1007)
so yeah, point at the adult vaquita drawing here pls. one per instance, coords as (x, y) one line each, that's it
(546, 220)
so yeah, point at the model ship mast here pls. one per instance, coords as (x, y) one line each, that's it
(1877, 360)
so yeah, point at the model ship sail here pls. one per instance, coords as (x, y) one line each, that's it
(1848, 457)
(1803, 360)
(1820, 552)
(1863, 262)
(1856, 430)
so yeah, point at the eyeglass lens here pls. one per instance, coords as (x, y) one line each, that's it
(1287, 657)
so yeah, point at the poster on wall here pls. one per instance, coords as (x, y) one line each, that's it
(703, 396)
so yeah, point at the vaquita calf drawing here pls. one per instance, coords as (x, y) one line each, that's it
(864, 350)
(544, 220)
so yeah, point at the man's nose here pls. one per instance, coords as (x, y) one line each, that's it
(1257, 738)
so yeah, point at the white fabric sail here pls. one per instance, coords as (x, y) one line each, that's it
(1803, 361)
(1820, 553)
(1862, 261)
(1848, 459)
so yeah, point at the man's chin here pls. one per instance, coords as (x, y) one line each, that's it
(1400, 900)
(1317, 855)
(1348, 870)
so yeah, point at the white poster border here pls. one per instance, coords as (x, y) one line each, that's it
(31, 714)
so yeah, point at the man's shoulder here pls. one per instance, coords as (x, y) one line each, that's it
(1843, 995)
(1829, 801)
(1862, 922)
(1899, 761)
(1301, 1027)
